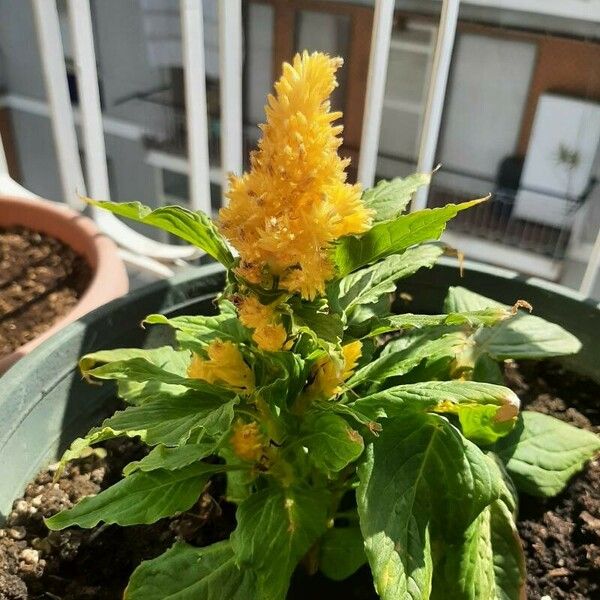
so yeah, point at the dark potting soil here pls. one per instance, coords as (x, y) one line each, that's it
(41, 280)
(561, 536)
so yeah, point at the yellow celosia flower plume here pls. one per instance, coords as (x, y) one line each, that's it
(329, 375)
(225, 365)
(247, 441)
(269, 334)
(284, 214)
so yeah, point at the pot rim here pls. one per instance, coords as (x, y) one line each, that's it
(109, 277)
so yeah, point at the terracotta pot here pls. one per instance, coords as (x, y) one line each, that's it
(109, 277)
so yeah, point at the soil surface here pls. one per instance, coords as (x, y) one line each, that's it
(561, 536)
(41, 280)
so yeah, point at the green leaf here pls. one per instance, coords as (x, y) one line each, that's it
(169, 420)
(238, 482)
(522, 337)
(142, 498)
(488, 561)
(342, 552)
(393, 237)
(141, 370)
(192, 226)
(331, 442)
(187, 573)
(474, 319)
(276, 527)
(542, 453)
(361, 318)
(466, 571)
(488, 370)
(509, 561)
(367, 285)
(136, 392)
(194, 332)
(486, 411)
(389, 198)
(163, 457)
(79, 446)
(400, 362)
(280, 376)
(420, 480)
(316, 319)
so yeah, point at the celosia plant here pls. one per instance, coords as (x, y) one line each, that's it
(346, 434)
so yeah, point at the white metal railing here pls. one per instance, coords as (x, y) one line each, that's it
(436, 95)
(383, 21)
(192, 38)
(141, 250)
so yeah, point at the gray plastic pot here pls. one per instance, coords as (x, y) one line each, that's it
(44, 404)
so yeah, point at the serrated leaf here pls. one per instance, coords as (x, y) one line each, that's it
(473, 319)
(509, 561)
(466, 571)
(137, 392)
(390, 198)
(79, 446)
(280, 376)
(367, 285)
(192, 226)
(142, 498)
(399, 362)
(188, 573)
(393, 237)
(418, 472)
(142, 370)
(195, 332)
(486, 411)
(331, 442)
(342, 552)
(488, 561)
(317, 320)
(524, 336)
(169, 420)
(361, 317)
(542, 453)
(164, 457)
(276, 527)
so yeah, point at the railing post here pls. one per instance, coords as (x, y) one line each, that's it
(192, 40)
(82, 38)
(3, 161)
(230, 68)
(591, 271)
(436, 95)
(383, 21)
(61, 111)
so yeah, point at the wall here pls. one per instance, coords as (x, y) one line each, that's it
(567, 67)
(19, 55)
(36, 155)
(131, 177)
(258, 60)
(491, 77)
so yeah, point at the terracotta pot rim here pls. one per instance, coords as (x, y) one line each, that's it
(109, 278)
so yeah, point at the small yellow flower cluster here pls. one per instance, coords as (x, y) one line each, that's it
(329, 375)
(285, 213)
(225, 365)
(269, 334)
(247, 441)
